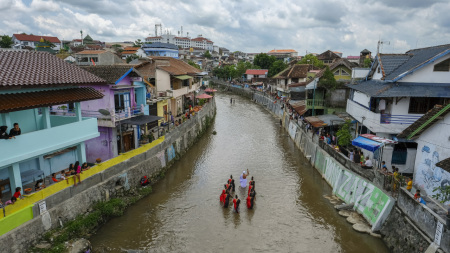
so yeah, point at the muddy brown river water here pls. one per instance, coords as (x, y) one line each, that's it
(183, 212)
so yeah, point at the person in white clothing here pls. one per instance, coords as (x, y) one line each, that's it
(243, 179)
(368, 164)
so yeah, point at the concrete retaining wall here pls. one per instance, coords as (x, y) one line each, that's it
(65, 205)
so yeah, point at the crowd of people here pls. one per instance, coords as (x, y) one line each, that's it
(15, 131)
(226, 197)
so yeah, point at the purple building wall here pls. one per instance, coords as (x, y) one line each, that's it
(101, 147)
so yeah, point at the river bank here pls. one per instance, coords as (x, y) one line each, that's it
(119, 180)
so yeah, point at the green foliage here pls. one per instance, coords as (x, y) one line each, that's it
(367, 63)
(442, 193)
(144, 191)
(6, 41)
(49, 43)
(327, 80)
(138, 43)
(227, 71)
(112, 208)
(242, 67)
(277, 67)
(207, 54)
(201, 102)
(264, 61)
(344, 134)
(131, 57)
(311, 59)
(193, 64)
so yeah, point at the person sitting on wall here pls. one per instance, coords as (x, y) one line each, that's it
(15, 131)
(39, 185)
(54, 178)
(11, 201)
(3, 133)
(144, 181)
(368, 164)
(384, 169)
(85, 167)
(420, 199)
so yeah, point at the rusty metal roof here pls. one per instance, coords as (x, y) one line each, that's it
(315, 122)
(29, 100)
(299, 106)
(25, 69)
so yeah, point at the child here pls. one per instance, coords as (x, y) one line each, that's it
(54, 178)
(85, 167)
(417, 195)
(39, 185)
(409, 184)
(63, 177)
(11, 201)
(17, 194)
(420, 199)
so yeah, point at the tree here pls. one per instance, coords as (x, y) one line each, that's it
(311, 59)
(207, 54)
(6, 41)
(49, 43)
(242, 67)
(327, 80)
(193, 64)
(138, 43)
(131, 57)
(443, 193)
(277, 67)
(344, 134)
(264, 61)
(367, 63)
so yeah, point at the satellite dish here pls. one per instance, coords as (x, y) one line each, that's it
(104, 112)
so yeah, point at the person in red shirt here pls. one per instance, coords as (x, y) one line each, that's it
(54, 178)
(222, 197)
(17, 194)
(249, 202)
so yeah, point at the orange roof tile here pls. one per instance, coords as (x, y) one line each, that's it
(283, 51)
(36, 38)
(92, 52)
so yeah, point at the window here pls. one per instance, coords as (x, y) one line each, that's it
(379, 69)
(336, 73)
(422, 105)
(344, 73)
(95, 59)
(121, 101)
(442, 66)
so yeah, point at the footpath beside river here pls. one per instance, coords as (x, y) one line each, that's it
(405, 225)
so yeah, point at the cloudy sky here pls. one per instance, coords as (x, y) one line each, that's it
(251, 26)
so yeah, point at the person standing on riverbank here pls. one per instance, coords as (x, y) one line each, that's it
(243, 179)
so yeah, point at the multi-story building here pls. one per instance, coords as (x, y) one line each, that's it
(398, 90)
(183, 42)
(24, 40)
(97, 57)
(161, 49)
(30, 85)
(284, 54)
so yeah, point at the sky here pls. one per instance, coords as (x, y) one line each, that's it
(251, 26)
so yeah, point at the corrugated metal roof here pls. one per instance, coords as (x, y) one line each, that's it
(315, 121)
(376, 88)
(299, 106)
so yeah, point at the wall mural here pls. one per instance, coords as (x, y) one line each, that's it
(427, 175)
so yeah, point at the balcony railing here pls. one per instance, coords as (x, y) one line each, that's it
(316, 102)
(398, 119)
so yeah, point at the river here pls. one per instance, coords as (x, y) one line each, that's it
(183, 212)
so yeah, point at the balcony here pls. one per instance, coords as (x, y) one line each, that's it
(180, 92)
(65, 132)
(380, 123)
(318, 103)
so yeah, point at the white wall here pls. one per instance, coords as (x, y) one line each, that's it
(360, 72)
(433, 146)
(361, 98)
(162, 80)
(376, 75)
(427, 75)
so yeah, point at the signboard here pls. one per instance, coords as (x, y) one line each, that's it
(438, 235)
(42, 207)
(378, 138)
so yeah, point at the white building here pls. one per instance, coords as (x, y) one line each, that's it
(432, 135)
(183, 42)
(398, 90)
(23, 40)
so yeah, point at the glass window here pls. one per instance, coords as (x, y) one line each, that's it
(423, 105)
(336, 73)
(344, 73)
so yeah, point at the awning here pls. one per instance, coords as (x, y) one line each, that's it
(331, 119)
(378, 139)
(183, 77)
(142, 119)
(366, 144)
(203, 96)
(299, 106)
(315, 122)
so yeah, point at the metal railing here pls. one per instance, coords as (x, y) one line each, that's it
(316, 102)
(398, 119)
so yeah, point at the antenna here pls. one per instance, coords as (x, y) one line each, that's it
(181, 31)
(380, 42)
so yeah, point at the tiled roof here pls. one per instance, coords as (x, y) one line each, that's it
(365, 51)
(444, 164)
(36, 38)
(299, 106)
(344, 62)
(160, 45)
(157, 37)
(129, 52)
(111, 73)
(327, 55)
(176, 67)
(296, 71)
(256, 71)
(353, 57)
(376, 88)
(131, 48)
(92, 52)
(298, 84)
(395, 65)
(25, 68)
(282, 51)
(182, 38)
(426, 121)
(29, 100)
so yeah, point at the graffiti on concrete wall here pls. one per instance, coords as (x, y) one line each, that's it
(170, 153)
(427, 175)
(292, 130)
(162, 158)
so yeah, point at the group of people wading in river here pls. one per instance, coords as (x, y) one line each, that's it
(230, 187)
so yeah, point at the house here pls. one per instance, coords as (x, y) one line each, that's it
(128, 51)
(48, 142)
(398, 90)
(342, 69)
(296, 73)
(328, 57)
(161, 49)
(432, 156)
(354, 59)
(255, 73)
(284, 54)
(120, 113)
(202, 42)
(97, 57)
(25, 40)
(183, 42)
(363, 55)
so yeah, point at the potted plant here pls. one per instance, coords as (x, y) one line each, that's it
(64, 109)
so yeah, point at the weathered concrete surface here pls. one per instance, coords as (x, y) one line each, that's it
(67, 204)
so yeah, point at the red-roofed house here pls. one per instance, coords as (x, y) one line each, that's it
(256, 73)
(284, 54)
(22, 40)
